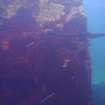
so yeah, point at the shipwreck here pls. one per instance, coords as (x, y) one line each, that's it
(44, 53)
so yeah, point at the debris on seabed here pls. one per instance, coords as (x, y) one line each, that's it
(47, 97)
(66, 63)
(30, 44)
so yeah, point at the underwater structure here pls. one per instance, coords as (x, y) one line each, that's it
(44, 53)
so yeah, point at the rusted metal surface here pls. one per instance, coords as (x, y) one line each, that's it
(44, 65)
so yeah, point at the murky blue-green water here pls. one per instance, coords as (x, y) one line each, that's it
(96, 23)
